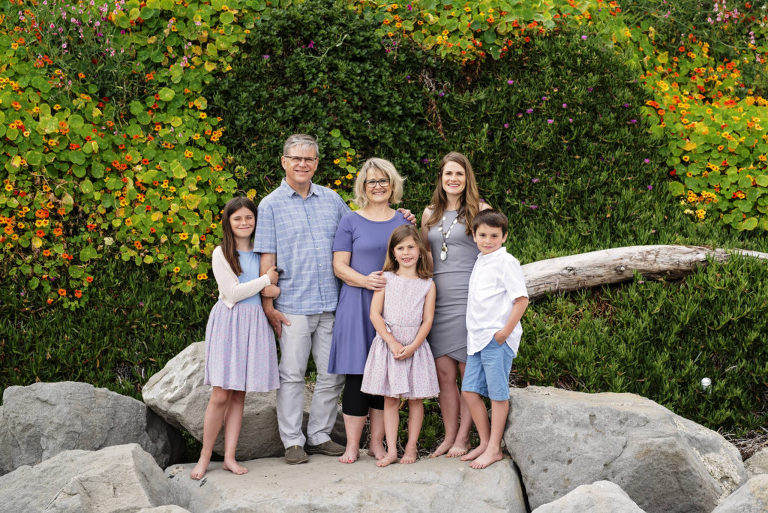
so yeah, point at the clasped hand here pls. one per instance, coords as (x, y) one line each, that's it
(399, 351)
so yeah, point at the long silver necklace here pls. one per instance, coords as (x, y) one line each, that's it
(446, 234)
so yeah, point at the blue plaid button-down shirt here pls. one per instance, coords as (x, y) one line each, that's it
(300, 232)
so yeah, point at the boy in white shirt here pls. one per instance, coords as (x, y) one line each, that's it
(497, 300)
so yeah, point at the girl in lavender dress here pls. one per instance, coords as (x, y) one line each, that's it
(240, 353)
(399, 363)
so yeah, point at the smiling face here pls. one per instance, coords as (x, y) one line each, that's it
(243, 223)
(453, 178)
(489, 238)
(406, 253)
(298, 169)
(376, 190)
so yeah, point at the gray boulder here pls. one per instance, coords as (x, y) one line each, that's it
(117, 479)
(443, 485)
(44, 419)
(164, 509)
(599, 497)
(178, 395)
(665, 463)
(750, 498)
(758, 463)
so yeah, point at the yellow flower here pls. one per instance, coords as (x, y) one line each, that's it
(202, 276)
(701, 213)
(57, 107)
(349, 176)
(183, 236)
(337, 182)
(176, 269)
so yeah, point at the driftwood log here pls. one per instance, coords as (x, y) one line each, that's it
(586, 270)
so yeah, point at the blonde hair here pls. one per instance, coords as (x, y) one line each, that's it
(386, 168)
(399, 234)
(470, 198)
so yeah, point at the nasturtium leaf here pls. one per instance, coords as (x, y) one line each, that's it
(166, 94)
(676, 188)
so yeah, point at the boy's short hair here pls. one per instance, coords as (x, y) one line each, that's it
(492, 218)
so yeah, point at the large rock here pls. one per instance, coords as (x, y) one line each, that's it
(750, 498)
(443, 485)
(44, 419)
(178, 395)
(599, 497)
(562, 439)
(164, 509)
(118, 479)
(758, 463)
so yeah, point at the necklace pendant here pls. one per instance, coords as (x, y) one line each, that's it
(444, 252)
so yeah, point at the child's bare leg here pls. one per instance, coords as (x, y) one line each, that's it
(232, 424)
(480, 417)
(461, 444)
(391, 423)
(212, 422)
(492, 453)
(415, 419)
(376, 447)
(353, 425)
(449, 400)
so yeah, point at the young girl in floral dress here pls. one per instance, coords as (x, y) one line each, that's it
(399, 363)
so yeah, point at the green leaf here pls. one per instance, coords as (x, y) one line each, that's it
(166, 94)
(676, 188)
(86, 186)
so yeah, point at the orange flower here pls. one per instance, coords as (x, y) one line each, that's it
(62, 292)
(89, 279)
(78, 293)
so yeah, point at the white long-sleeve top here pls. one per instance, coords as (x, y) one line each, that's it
(230, 289)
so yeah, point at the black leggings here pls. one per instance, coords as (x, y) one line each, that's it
(356, 403)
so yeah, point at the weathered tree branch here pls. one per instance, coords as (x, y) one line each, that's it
(586, 270)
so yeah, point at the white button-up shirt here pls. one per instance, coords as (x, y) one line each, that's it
(496, 281)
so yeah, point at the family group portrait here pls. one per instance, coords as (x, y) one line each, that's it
(353, 255)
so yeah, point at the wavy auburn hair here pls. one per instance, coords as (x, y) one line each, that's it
(469, 203)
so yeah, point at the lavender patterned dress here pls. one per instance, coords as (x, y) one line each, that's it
(415, 377)
(240, 351)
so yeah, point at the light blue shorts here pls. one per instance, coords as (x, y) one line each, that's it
(487, 371)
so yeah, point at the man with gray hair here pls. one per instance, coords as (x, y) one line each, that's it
(295, 230)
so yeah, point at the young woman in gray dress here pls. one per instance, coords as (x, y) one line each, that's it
(446, 224)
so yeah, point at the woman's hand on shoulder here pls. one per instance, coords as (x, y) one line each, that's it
(408, 215)
(484, 205)
(375, 281)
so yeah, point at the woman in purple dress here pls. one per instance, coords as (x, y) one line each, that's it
(359, 250)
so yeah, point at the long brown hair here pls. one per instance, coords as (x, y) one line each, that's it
(399, 234)
(469, 203)
(228, 245)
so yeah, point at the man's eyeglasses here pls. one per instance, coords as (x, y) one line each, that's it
(383, 182)
(298, 160)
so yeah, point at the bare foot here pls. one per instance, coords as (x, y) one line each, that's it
(442, 449)
(376, 450)
(199, 471)
(410, 456)
(386, 460)
(474, 453)
(349, 456)
(487, 458)
(234, 467)
(457, 450)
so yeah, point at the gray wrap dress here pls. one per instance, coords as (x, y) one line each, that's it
(451, 276)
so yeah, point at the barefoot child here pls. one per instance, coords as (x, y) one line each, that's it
(399, 363)
(240, 353)
(497, 300)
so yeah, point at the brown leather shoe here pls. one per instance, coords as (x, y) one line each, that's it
(329, 448)
(295, 454)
